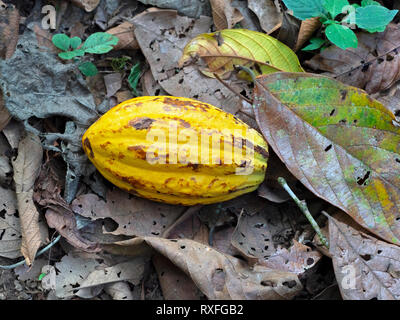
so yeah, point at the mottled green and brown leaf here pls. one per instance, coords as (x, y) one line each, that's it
(340, 143)
(224, 49)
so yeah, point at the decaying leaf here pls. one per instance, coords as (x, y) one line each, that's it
(119, 291)
(193, 9)
(297, 259)
(58, 214)
(71, 273)
(224, 15)
(289, 30)
(126, 37)
(134, 216)
(88, 5)
(374, 65)
(26, 170)
(175, 284)
(4, 114)
(220, 276)
(341, 144)
(9, 26)
(256, 237)
(131, 271)
(113, 83)
(267, 13)
(162, 35)
(10, 233)
(307, 28)
(222, 50)
(365, 268)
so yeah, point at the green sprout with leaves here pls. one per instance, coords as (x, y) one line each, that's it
(72, 48)
(369, 16)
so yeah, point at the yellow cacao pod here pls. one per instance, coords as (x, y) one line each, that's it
(176, 150)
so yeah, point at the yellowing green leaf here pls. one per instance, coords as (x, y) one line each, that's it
(222, 50)
(340, 143)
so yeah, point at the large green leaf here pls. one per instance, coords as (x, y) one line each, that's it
(100, 42)
(305, 9)
(374, 18)
(335, 7)
(341, 36)
(340, 143)
(223, 49)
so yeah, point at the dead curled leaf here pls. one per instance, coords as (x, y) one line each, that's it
(169, 275)
(5, 116)
(134, 216)
(297, 259)
(126, 37)
(59, 215)
(88, 5)
(9, 26)
(10, 235)
(26, 169)
(224, 15)
(341, 144)
(365, 268)
(267, 13)
(220, 276)
(307, 28)
(255, 238)
(373, 66)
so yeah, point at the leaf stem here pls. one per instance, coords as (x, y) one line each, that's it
(247, 70)
(303, 207)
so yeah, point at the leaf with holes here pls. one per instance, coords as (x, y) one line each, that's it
(373, 66)
(223, 49)
(340, 143)
(375, 264)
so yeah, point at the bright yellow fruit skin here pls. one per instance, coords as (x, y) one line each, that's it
(140, 146)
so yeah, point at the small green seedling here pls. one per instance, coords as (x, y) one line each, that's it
(72, 48)
(133, 78)
(370, 16)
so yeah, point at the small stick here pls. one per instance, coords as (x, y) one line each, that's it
(303, 207)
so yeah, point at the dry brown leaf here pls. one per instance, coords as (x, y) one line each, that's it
(131, 271)
(10, 240)
(307, 28)
(365, 267)
(175, 284)
(26, 169)
(134, 216)
(126, 36)
(162, 35)
(224, 15)
(220, 276)
(297, 259)
(289, 30)
(119, 291)
(113, 83)
(123, 95)
(267, 13)
(9, 26)
(373, 66)
(88, 5)
(255, 238)
(59, 215)
(150, 86)
(43, 37)
(4, 114)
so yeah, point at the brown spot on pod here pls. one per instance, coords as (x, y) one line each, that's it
(141, 123)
